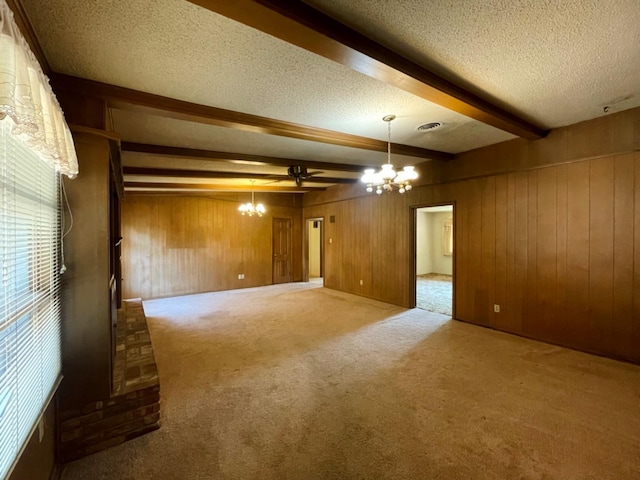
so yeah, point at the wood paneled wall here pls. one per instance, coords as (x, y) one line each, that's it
(38, 460)
(176, 245)
(86, 325)
(550, 232)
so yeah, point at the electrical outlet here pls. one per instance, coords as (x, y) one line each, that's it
(361, 282)
(496, 308)
(241, 276)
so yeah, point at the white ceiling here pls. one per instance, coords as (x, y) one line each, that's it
(552, 62)
(440, 208)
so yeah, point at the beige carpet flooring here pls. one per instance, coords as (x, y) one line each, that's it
(434, 292)
(301, 382)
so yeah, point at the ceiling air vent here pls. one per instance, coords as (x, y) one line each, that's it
(428, 127)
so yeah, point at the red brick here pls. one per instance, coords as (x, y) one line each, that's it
(70, 435)
(153, 418)
(82, 420)
(110, 442)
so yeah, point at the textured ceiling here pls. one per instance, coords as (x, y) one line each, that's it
(176, 49)
(552, 62)
(556, 62)
(142, 128)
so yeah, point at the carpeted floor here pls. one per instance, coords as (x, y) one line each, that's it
(434, 292)
(301, 382)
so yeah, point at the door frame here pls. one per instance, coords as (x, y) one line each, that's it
(305, 253)
(413, 254)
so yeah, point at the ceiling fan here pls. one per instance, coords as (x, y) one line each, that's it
(299, 173)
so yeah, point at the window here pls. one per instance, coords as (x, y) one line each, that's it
(29, 292)
(447, 237)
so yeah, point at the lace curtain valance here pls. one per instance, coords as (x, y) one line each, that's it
(26, 99)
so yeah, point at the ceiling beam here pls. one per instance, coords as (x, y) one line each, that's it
(136, 101)
(302, 25)
(227, 157)
(219, 188)
(177, 173)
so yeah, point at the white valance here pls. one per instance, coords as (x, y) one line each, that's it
(26, 99)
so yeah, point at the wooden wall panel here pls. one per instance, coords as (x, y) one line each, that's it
(86, 329)
(562, 185)
(485, 288)
(518, 279)
(621, 324)
(460, 255)
(635, 337)
(503, 319)
(601, 211)
(544, 325)
(576, 320)
(549, 230)
(473, 248)
(531, 302)
(176, 245)
(37, 461)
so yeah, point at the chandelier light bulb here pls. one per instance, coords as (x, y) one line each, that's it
(387, 178)
(251, 209)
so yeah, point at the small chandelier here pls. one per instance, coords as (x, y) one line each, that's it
(252, 209)
(387, 178)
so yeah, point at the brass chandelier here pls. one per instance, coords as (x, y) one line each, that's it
(386, 179)
(251, 209)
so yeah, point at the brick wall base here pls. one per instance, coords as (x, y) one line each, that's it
(134, 406)
(104, 424)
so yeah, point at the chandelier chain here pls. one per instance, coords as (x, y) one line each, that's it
(389, 141)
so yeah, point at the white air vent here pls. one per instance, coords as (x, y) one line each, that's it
(427, 127)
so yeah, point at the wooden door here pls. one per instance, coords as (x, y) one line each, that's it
(281, 250)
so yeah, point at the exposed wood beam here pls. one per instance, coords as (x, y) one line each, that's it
(136, 101)
(302, 25)
(115, 157)
(24, 24)
(219, 188)
(108, 134)
(177, 173)
(192, 153)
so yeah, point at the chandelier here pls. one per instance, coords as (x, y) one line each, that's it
(252, 209)
(387, 178)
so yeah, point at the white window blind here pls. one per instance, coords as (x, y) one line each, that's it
(29, 296)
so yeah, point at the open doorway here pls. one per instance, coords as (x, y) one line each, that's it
(315, 250)
(434, 258)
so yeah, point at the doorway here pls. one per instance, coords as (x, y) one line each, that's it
(314, 271)
(434, 260)
(281, 250)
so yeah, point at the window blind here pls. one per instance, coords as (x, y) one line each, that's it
(30, 360)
